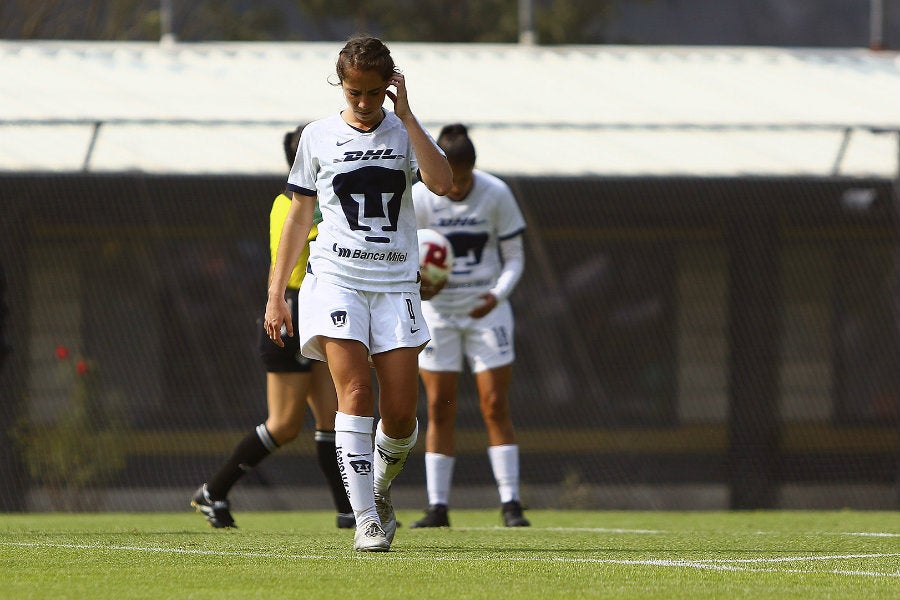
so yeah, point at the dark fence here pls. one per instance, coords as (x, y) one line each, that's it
(733, 334)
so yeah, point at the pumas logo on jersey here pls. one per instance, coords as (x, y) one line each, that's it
(380, 154)
(393, 256)
(339, 318)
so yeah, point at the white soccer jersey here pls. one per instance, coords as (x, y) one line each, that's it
(363, 181)
(474, 226)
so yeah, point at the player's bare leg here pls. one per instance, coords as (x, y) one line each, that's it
(503, 452)
(285, 396)
(493, 396)
(441, 389)
(397, 431)
(348, 361)
(440, 445)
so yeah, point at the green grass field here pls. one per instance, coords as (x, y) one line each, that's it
(566, 554)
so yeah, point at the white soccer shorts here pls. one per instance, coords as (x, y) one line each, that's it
(487, 343)
(382, 321)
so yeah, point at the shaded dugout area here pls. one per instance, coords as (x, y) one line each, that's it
(682, 343)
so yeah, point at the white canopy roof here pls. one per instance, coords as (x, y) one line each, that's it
(571, 110)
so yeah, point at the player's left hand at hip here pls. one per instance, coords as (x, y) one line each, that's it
(488, 304)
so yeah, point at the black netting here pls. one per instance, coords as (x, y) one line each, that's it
(692, 343)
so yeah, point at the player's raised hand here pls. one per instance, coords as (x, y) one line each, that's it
(401, 104)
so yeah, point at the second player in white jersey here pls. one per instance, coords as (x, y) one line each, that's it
(475, 226)
(363, 182)
(471, 320)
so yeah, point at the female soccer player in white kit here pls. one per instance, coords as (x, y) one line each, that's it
(361, 295)
(471, 317)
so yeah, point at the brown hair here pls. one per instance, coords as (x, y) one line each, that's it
(454, 141)
(365, 53)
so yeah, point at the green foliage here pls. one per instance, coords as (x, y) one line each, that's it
(572, 21)
(437, 21)
(575, 493)
(79, 448)
(468, 21)
(463, 21)
(566, 555)
(231, 21)
(81, 19)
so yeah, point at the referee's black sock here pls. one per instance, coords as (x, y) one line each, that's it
(255, 446)
(328, 463)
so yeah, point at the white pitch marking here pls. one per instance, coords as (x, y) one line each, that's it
(793, 558)
(867, 534)
(165, 550)
(564, 529)
(710, 564)
(850, 533)
(662, 531)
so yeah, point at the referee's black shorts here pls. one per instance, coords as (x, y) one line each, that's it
(287, 359)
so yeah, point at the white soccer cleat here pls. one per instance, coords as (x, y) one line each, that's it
(370, 537)
(385, 509)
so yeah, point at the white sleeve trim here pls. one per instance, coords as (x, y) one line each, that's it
(512, 252)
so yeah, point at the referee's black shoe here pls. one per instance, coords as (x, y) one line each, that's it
(216, 511)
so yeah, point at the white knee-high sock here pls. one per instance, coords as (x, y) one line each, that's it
(390, 456)
(505, 464)
(438, 477)
(353, 447)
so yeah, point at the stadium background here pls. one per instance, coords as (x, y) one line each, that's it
(709, 317)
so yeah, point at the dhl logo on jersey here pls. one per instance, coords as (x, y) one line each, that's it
(380, 154)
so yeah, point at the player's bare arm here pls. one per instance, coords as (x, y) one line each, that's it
(513, 265)
(433, 166)
(293, 239)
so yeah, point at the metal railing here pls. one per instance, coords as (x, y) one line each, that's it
(846, 130)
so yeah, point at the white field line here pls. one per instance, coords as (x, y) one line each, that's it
(663, 531)
(735, 565)
(866, 534)
(565, 529)
(794, 558)
(847, 533)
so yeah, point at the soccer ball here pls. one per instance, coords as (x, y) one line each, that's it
(435, 256)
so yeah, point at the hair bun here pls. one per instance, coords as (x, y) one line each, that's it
(454, 129)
